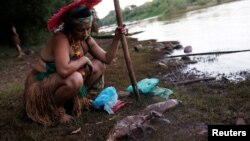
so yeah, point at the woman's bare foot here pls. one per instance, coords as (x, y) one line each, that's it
(65, 118)
(85, 103)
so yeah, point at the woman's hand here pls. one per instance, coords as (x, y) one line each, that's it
(120, 30)
(89, 64)
(39, 66)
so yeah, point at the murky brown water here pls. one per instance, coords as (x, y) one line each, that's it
(220, 28)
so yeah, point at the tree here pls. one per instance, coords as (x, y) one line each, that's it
(30, 17)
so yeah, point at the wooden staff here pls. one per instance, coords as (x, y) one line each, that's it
(125, 50)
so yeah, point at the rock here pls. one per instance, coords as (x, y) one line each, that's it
(175, 42)
(169, 46)
(185, 58)
(156, 49)
(171, 42)
(168, 52)
(189, 61)
(138, 47)
(188, 49)
(178, 46)
(161, 46)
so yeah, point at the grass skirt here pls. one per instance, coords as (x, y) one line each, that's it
(39, 101)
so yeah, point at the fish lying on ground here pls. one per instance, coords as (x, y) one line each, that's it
(137, 127)
(160, 107)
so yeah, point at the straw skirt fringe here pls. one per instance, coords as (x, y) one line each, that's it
(39, 101)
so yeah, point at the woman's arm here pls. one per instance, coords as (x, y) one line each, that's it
(108, 56)
(61, 53)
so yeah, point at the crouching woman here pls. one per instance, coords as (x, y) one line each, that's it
(63, 73)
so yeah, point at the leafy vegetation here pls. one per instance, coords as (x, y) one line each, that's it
(163, 8)
(29, 17)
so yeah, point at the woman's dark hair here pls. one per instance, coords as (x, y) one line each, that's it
(83, 13)
(68, 24)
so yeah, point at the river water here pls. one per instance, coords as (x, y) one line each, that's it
(224, 27)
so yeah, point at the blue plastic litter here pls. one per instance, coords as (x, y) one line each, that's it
(161, 92)
(108, 98)
(145, 86)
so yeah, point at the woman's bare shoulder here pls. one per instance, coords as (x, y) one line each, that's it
(59, 36)
(58, 40)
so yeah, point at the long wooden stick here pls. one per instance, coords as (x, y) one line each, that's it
(194, 81)
(208, 53)
(125, 50)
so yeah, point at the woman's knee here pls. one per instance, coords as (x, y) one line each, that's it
(31, 78)
(99, 67)
(74, 81)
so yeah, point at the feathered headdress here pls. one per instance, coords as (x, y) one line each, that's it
(56, 19)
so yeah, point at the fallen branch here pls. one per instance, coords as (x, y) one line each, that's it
(112, 36)
(194, 81)
(208, 53)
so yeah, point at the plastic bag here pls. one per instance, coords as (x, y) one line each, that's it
(108, 98)
(161, 92)
(145, 86)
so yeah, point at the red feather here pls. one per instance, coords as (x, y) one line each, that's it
(56, 19)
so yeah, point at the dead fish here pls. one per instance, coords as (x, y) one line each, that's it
(123, 127)
(160, 107)
(136, 127)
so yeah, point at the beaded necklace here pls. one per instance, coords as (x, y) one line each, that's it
(76, 46)
(77, 54)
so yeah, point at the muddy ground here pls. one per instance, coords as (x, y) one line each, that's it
(203, 103)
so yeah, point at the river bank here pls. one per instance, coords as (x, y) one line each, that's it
(203, 103)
